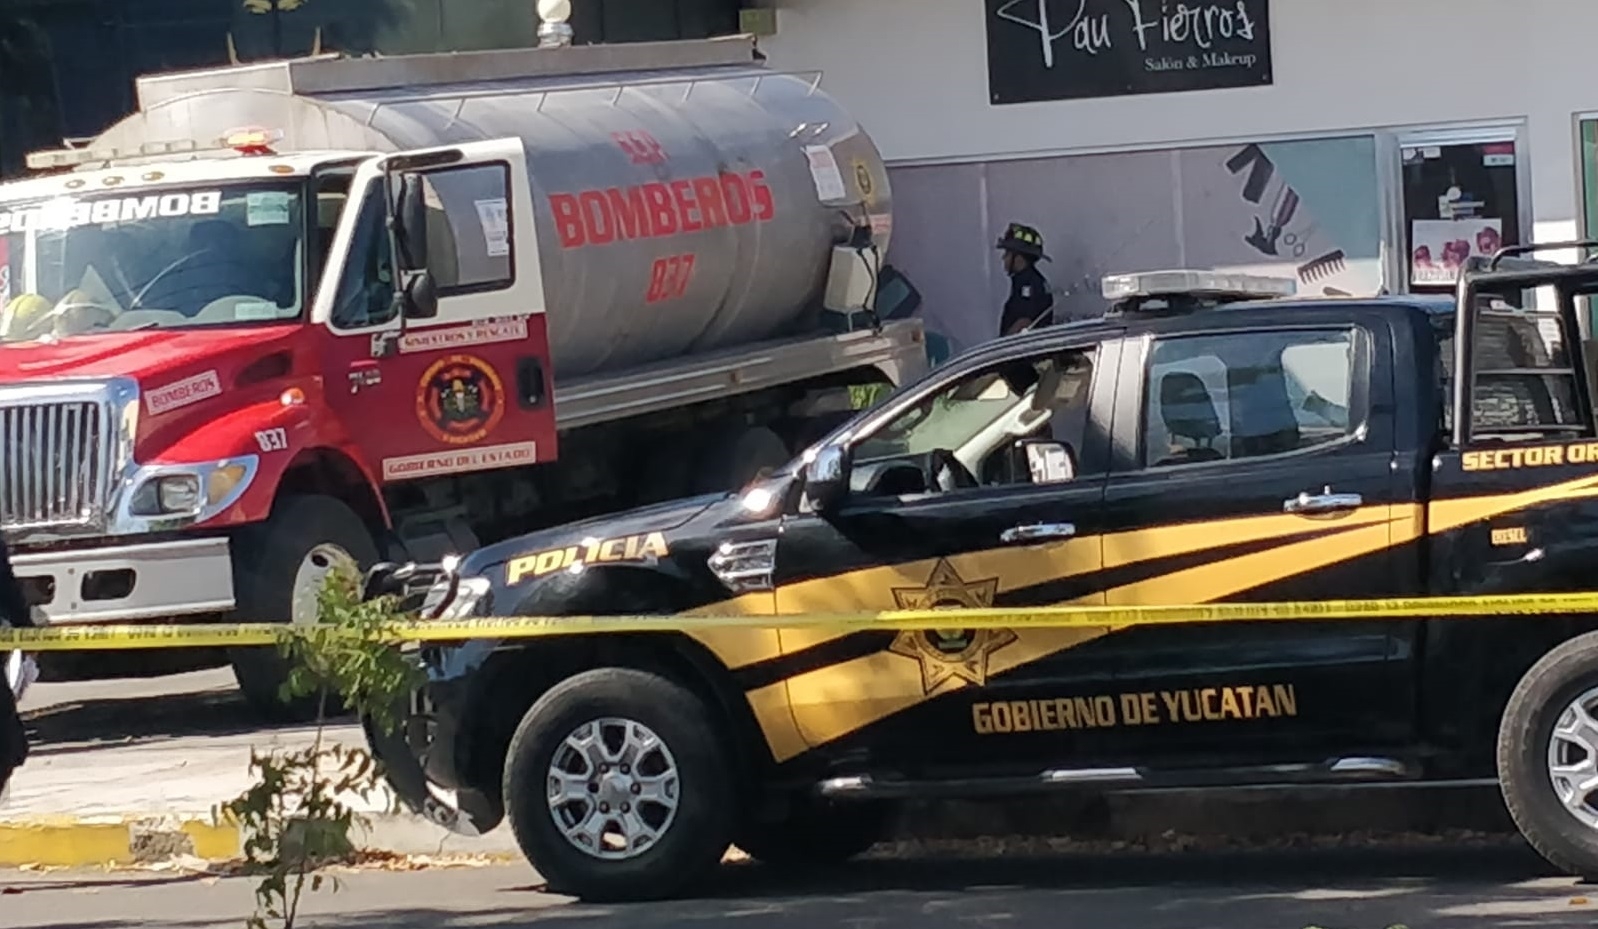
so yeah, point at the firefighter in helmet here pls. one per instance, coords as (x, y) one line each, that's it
(1031, 301)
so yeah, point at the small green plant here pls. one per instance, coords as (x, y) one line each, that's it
(299, 814)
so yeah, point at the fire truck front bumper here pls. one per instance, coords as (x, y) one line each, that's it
(128, 583)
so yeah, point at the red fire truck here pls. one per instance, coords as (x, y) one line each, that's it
(294, 314)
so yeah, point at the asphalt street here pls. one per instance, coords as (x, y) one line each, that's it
(1501, 884)
(113, 711)
(1363, 889)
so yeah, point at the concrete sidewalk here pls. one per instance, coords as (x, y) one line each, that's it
(143, 802)
(132, 772)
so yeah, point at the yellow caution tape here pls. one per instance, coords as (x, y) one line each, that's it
(117, 637)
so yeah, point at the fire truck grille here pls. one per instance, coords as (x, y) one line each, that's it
(54, 466)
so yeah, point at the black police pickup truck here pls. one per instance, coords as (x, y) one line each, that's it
(1211, 438)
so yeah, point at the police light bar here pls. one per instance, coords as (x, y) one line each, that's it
(54, 159)
(1221, 284)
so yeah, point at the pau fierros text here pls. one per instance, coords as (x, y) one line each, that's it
(662, 208)
(1148, 708)
(1535, 456)
(593, 551)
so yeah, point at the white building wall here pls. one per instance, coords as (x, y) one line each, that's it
(915, 73)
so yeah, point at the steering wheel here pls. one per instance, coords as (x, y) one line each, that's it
(138, 298)
(947, 473)
(183, 261)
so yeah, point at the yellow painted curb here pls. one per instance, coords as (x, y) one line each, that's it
(66, 842)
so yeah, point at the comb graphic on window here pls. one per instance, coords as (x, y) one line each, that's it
(1325, 266)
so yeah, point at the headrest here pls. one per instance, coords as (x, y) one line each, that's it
(1186, 407)
(1048, 386)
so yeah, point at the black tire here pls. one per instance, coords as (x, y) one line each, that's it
(817, 834)
(1524, 732)
(693, 843)
(266, 559)
(735, 457)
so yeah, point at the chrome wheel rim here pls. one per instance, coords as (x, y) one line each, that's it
(612, 788)
(1573, 758)
(317, 564)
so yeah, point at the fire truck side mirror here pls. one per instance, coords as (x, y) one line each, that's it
(419, 295)
(410, 223)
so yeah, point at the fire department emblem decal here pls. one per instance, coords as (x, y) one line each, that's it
(460, 400)
(950, 655)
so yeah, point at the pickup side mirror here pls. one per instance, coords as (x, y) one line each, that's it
(827, 478)
(1047, 462)
(410, 223)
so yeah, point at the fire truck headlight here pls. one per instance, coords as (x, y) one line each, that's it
(166, 495)
(173, 496)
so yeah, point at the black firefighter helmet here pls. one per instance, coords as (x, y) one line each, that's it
(1023, 240)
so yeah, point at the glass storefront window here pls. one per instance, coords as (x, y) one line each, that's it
(1461, 199)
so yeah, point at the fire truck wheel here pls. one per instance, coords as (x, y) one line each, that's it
(817, 834)
(734, 457)
(279, 566)
(1548, 756)
(617, 785)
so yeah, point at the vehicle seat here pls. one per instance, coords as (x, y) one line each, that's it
(1188, 412)
(1060, 382)
(1049, 382)
(1263, 422)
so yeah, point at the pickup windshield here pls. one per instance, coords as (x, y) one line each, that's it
(169, 258)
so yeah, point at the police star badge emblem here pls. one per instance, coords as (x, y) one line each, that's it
(950, 655)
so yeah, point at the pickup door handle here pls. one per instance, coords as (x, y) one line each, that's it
(1037, 531)
(1326, 502)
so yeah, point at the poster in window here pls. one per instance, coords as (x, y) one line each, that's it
(1440, 247)
(1077, 49)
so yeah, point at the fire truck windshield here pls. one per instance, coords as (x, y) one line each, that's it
(226, 254)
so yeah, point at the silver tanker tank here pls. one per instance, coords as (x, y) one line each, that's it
(637, 153)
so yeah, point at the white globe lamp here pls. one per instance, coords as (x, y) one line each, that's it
(553, 28)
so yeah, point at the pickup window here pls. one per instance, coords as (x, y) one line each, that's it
(1216, 398)
(1525, 381)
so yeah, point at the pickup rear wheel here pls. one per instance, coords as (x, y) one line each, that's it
(1548, 756)
(617, 787)
(816, 834)
(279, 566)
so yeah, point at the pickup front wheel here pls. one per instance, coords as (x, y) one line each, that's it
(617, 787)
(1548, 756)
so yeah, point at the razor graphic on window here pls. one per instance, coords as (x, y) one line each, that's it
(1264, 239)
